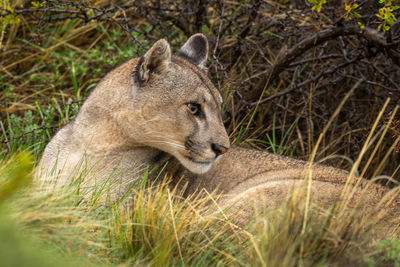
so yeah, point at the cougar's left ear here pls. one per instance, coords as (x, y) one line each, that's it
(195, 50)
(156, 60)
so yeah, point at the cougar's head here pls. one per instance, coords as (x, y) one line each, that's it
(178, 108)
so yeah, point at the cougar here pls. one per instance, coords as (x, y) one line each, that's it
(160, 112)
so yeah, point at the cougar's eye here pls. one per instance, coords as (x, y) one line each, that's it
(194, 108)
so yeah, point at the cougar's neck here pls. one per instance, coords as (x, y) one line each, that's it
(163, 165)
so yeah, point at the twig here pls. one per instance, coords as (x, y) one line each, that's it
(288, 56)
(30, 132)
(302, 84)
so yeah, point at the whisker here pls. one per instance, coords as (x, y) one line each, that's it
(167, 143)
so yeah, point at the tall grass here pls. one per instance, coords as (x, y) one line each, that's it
(160, 227)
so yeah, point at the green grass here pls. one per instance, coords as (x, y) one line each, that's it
(162, 228)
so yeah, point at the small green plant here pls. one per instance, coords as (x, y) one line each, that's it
(352, 13)
(10, 18)
(386, 14)
(31, 130)
(37, 4)
(317, 4)
(278, 145)
(391, 250)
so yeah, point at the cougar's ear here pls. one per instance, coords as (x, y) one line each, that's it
(155, 60)
(195, 50)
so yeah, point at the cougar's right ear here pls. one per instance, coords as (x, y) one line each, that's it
(155, 60)
(195, 50)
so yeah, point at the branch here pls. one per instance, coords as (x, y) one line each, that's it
(284, 59)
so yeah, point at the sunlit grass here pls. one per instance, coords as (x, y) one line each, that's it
(159, 226)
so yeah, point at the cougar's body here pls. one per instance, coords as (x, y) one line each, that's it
(161, 112)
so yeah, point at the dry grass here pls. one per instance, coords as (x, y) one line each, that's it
(160, 227)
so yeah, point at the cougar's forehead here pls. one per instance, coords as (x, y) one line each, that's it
(200, 80)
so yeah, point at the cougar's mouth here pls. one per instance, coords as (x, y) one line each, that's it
(195, 166)
(205, 162)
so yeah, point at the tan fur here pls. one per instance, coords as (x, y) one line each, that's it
(254, 180)
(138, 115)
(138, 118)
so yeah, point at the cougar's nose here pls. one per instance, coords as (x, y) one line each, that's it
(218, 149)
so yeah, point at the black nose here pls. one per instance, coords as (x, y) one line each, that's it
(218, 149)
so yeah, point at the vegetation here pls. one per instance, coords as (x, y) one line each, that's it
(58, 228)
(282, 68)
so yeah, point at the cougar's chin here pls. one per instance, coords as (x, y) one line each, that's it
(198, 167)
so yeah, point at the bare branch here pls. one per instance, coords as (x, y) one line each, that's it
(288, 56)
